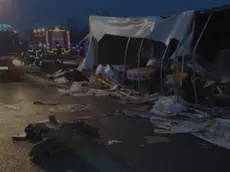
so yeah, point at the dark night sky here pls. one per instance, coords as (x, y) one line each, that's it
(24, 14)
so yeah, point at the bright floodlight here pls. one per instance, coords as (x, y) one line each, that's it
(56, 29)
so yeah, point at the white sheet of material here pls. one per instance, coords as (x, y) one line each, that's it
(217, 134)
(142, 27)
(89, 60)
(175, 27)
(139, 27)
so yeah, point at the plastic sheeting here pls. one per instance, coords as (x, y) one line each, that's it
(175, 126)
(89, 60)
(169, 117)
(61, 80)
(185, 48)
(166, 106)
(139, 27)
(77, 87)
(110, 72)
(113, 74)
(217, 133)
(142, 27)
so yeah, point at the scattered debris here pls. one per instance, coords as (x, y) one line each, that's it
(111, 142)
(155, 139)
(63, 76)
(61, 80)
(13, 107)
(176, 126)
(19, 137)
(217, 133)
(176, 108)
(77, 87)
(169, 117)
(69, 108)
(39, 102)
(130, 113)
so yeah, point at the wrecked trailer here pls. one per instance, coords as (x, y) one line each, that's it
(207, 65)
(123, 41)
(205, 62)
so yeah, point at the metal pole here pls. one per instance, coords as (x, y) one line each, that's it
(161, 72)
(125, 57)
(96, 49)
(152, 51)
(139, 59)
(194, 57)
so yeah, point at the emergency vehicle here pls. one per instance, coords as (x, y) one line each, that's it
(11, 61)
(49, 37)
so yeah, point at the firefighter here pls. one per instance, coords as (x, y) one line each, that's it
(29, 55)
(37, 55)
(58, 47)
(59, 52)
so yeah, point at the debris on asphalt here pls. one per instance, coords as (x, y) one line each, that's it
(218, 133)
(69, 75)
(61, 80)
(79, 89)
(105, 83)
(49, 103)
(169, 117)
(111, 142)
(155, 139)
(69, 108)
(173, 126)
(13, 107)
(19, 137)
(165, 112)
(76, 87)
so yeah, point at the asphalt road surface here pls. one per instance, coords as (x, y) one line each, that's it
(181, 153)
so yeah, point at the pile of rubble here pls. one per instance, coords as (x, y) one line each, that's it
(98, 85)
(164, 112)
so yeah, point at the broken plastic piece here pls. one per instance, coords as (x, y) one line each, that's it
(39, 102)
(156, 139)
(111, 142)
(19, 137)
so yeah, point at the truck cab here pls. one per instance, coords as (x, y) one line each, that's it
(11, 61)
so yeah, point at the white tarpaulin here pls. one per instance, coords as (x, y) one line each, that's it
(128, 27)
(163, 30)
(175, 27)
(145, 27)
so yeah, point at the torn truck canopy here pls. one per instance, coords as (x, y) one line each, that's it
(174, 27)
(142, 27)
